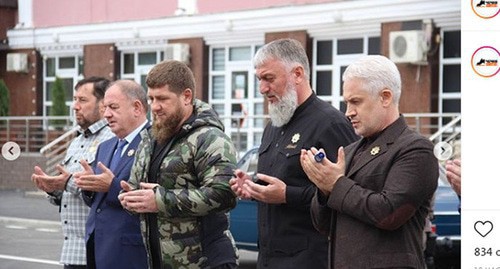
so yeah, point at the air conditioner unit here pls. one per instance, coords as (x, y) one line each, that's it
(177, 51)
(408, 47)
(17, 62)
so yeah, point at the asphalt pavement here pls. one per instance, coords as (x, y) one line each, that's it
(28, 205)
(31, 236)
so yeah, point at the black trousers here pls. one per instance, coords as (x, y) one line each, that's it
(90, 253)
(69, 266)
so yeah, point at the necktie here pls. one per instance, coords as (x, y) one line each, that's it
(118, 154)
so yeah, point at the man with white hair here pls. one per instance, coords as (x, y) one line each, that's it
(373, 201)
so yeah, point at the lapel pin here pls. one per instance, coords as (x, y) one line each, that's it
(130, 152)
(295, 138)
(375, 150)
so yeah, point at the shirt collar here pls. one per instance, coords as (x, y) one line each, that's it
(94, 128)
(130, 137)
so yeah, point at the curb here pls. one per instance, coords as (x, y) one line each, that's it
(35, 194)
(14, 220)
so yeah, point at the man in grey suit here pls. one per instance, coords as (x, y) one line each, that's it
(372, 202)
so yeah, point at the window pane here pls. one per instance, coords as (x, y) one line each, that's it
(147, 58)
(50, 65)
(80, 65)
(341, 87)
(259, 115)
(239, 85)
(451, 106)
(68, 88)
(257, 138)
(66, 62)
(324, 53)
(238, 110)
(143, 81)
(451, 44)
(239, 54)
(324, 83)
(257, 48)
(240, 140)
(374, 45)
(219, 108)
(218, 87)
(128, 63)
(451, 78)
(343, 107)
(256, 87)
(48, 87)
(350, 46)
(219, 59)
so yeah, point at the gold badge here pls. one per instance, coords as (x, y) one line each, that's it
(295, 138)
(375, 150)
(93, 146)
(130, 152)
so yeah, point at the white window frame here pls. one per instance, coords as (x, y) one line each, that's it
(338, 61)
(249, 128)
(63, 73)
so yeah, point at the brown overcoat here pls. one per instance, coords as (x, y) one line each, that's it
(375, 215)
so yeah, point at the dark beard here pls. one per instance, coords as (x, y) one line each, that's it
(164, 130)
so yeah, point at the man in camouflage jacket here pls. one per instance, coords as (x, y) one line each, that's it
(179, 180)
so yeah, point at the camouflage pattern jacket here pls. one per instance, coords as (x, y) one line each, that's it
(194, 195)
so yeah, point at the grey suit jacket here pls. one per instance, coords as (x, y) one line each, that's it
(375, 215)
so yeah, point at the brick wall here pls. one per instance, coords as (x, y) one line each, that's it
(100, 60)
(16, 175)
(26, 95)
(198, 63)
(419, 83)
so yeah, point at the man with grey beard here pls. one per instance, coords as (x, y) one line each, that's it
(299, 120)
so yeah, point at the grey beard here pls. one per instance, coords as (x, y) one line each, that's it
(282, 111)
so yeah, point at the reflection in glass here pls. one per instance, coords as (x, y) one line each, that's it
(218, 87)
(239, 85)
(219, 59)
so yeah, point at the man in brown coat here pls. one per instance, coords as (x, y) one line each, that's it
(373, 201)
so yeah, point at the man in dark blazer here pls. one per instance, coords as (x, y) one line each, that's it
(374, 200)
(113, 236)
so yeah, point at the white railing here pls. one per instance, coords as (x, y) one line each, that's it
(430, 123)
(35, 133)
(56, 150)
(32, 133)
(51, 138)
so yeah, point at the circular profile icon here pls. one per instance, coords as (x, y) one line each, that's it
(484, 61)
(485, 9)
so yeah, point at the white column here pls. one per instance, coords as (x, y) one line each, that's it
(25, 9)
